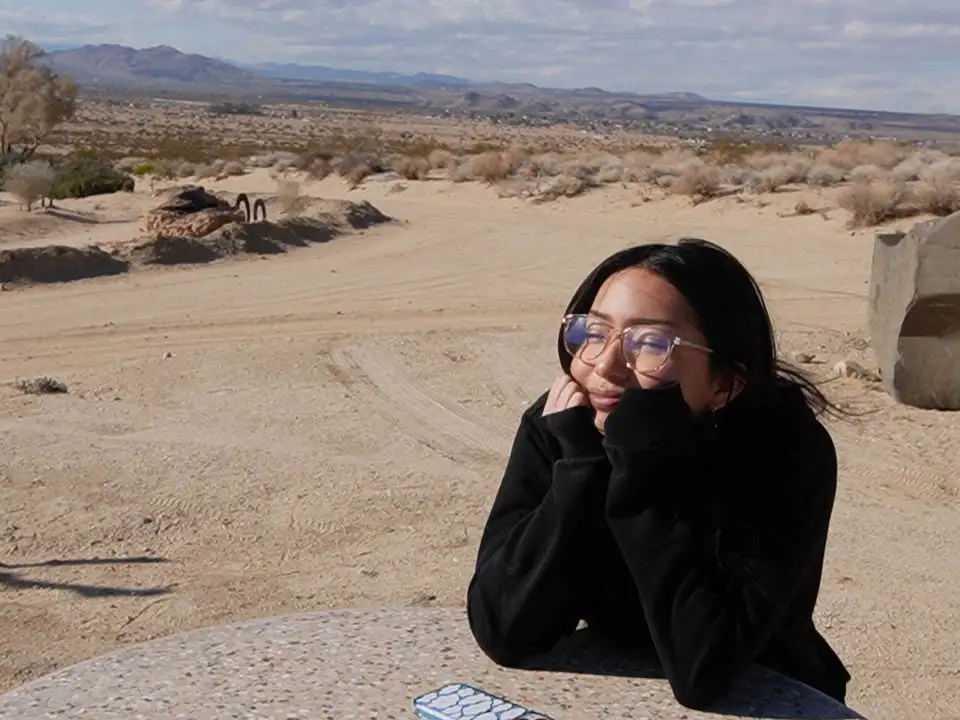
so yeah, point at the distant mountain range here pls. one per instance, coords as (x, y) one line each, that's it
(164, 69)
(119, 63)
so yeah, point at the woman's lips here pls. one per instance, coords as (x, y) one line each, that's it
(604, 401)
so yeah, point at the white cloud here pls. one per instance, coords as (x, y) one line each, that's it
(893, 54)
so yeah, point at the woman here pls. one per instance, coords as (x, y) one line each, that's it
(673, 489)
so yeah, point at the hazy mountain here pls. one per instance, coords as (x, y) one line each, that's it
(118, 64)
(323, 73)
(166, 69)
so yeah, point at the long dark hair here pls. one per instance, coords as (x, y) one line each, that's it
(729, 307)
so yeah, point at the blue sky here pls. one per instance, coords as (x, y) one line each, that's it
(882, 54)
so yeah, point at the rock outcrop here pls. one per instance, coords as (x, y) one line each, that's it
(914, 313)
(191, 212)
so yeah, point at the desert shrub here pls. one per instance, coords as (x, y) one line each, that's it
(938, 188)
(234, 168)
(736, 175)
(697, 179)
(289, 199)
(30, 181)
(673, 163)
(411, 168)
(40, 386)
(566, 185)
(910, 167)
(130, 164)
(777, 170)
(636, 166)
(490, 167)
(872, 202)
(86, 175)
(442, 160)
(9, 160)
(360, 163)
(825, 175)
(849, 154)
(866, 172)
(548, 164)
(318, 169)
(143, 169)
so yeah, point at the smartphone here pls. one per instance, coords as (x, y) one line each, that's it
(459, 701)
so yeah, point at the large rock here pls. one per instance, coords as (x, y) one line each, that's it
(191, 212)
(915, 313)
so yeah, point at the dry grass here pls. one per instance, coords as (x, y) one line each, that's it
(877, 180)
(40, 386)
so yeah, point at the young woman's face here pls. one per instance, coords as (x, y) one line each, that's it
(639, 297)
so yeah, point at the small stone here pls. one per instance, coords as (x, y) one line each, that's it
(851, 368)
(804, 358)
(167, 355)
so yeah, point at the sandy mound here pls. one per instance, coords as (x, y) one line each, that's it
(57, 263)
(194, 226)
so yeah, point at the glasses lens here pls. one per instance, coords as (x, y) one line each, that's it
(585, 336)
(647, 349)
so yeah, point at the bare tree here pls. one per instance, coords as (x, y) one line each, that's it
(34, 99)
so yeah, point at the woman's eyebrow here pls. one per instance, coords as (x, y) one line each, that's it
(634, 320)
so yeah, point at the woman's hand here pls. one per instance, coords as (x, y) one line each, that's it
(565, 393)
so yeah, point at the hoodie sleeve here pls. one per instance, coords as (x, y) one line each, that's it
(712, 595)
(522, 598)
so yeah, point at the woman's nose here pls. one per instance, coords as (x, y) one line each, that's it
(611, 365)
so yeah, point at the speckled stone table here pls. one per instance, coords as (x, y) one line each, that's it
(348, 665)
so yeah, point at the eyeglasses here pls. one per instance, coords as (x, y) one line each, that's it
(644, 349)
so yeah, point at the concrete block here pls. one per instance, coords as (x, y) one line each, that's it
(914, 313)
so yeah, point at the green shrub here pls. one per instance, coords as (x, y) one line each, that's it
(86, 175)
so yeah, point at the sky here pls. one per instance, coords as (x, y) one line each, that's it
(871, 54)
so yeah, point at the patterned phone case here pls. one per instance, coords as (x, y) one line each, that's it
(459, 701)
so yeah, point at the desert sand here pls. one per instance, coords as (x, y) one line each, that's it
(327, 428)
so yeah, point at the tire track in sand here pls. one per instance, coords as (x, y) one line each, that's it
(437, 422)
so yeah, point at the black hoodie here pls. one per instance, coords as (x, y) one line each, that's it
(702, 543)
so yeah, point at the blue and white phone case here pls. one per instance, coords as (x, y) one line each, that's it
(459, 701)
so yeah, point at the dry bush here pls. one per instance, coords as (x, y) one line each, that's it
(318, 169)
(547, 164)
(490, 167)
(636, 165)
(910, 167)
(736, 175)
(411, 168)
(938, 188)
(442, 160)
(777, 170)
(671, 165)
(699, 180)
(30, 181)
(40, 386)
(849, 154)
(360, 163)
(289, 199)
(129, 164)
(234, 168)
(825, 175)
(602, 167)
(872, 202)
(864, 173)
(565, 186)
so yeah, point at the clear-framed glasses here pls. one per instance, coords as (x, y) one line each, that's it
(645, 349)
